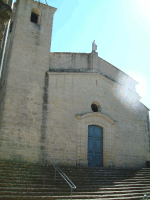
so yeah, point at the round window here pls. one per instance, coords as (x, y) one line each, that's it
(94, 107)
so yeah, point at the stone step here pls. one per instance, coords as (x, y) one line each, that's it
(11, 173)
(70, 171)
(19, 173)
(51, 177)
(76, 182)
(50, 191)
(66, 198)
(107, 196)
(78, 189)
(43, 170)
(38, 185)
(75, 194)
(67, 168)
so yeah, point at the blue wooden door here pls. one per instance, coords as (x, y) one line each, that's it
(95, 146)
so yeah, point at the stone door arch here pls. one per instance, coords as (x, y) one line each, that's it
(108, 125)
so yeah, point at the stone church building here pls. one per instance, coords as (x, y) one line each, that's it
(77, 107)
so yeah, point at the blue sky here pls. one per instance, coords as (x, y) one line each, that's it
(120, 28)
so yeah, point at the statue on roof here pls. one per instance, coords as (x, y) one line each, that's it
(94, 46)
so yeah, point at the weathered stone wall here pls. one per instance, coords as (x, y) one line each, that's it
(117, 75)
(69, 60)
(71, 94)
(23, 108)
(5, 67)
(92, 62)
(51, 111)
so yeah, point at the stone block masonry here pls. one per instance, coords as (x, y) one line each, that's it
(46, 98)
(22, 125)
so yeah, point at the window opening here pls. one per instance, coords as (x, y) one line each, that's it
(34, 17)
(94, 107)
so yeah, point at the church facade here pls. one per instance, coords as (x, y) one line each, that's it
(77, 107)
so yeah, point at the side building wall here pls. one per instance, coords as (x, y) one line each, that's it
(23, 83)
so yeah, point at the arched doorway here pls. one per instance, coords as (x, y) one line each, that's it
(95, 146)
(108, 129)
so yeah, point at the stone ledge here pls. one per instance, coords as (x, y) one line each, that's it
(81, 71)
(72, 70)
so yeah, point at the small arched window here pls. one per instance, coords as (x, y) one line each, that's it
(95, 106)
(35, 16)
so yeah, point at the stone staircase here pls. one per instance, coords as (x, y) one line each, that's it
(19, 181)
